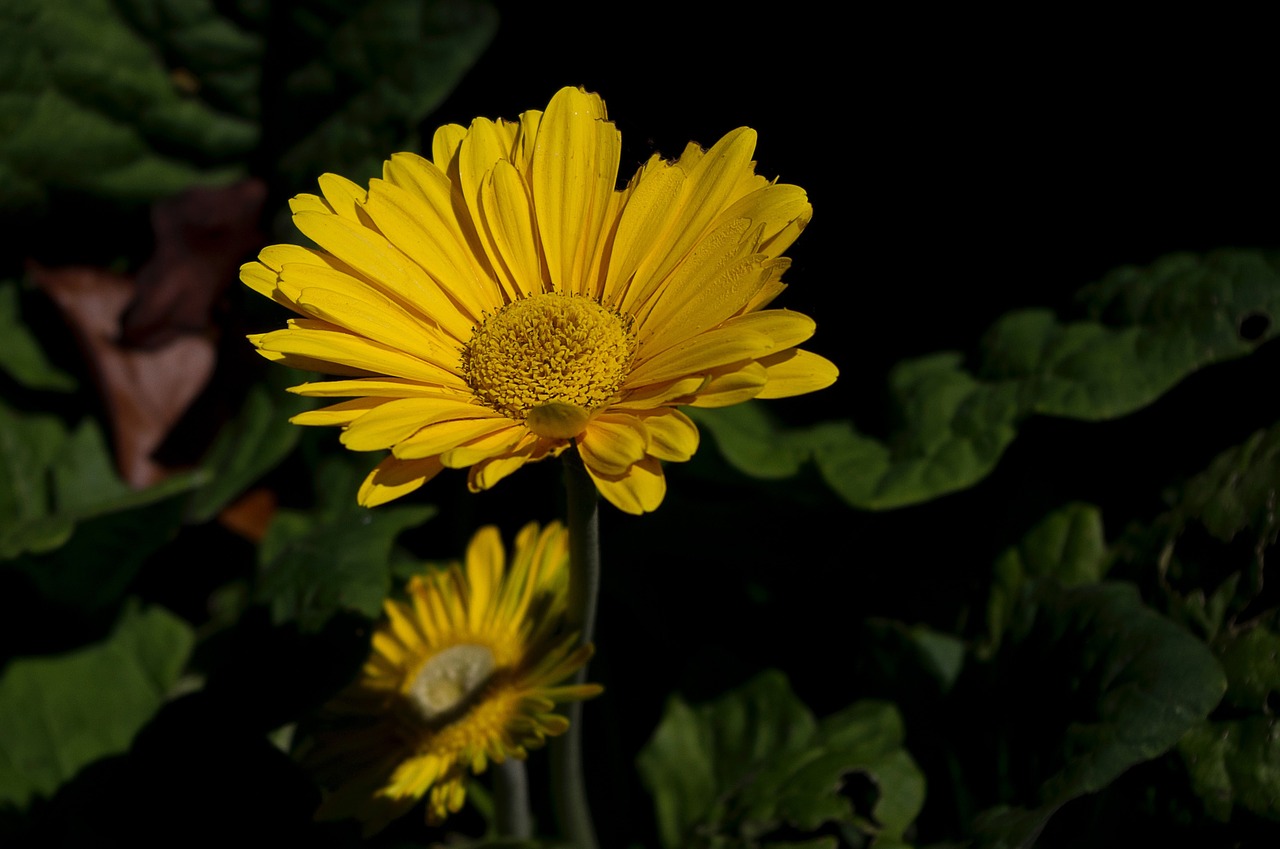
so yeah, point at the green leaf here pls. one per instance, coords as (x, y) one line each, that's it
(59, 714)
(54, 479)
(20, 355)
(89, 105)
(1236, 762)
(1251, 660)
(741, 767)
(1135, 683)
(1144, 330)
(251, 444)
(1238, 490)
(336, 557)
(1066, 546)
(379, 69)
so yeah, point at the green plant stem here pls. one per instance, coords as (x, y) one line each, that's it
(572, 810)
(511, 791)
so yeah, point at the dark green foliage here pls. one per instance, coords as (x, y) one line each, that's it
(733, 772)
(1145, 330)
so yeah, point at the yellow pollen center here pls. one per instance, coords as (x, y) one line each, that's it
(450, 679)
(549, 355)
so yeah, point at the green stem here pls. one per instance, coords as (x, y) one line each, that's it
(572, 809)
(511, 791)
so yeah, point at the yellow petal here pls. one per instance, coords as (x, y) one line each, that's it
(486, 473)
(796, 372)
(341, 300)
(485, 562)
(659, 394)
(672, 435)
(384, 266)
(394, 478)
(483, 447)
(510, 229)
(705, 192)
(444, 145)
(416, 214)
(732, 385)
(323, 343)
(343, 195)
(784, 328)
(612, 442)
(575, 169)
(640, 490)
(399, 419)
(342, 413)
(701, 354)
(385, 387)
(444, 435)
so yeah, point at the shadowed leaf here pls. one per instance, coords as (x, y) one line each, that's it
(59, 714)
(735, 770)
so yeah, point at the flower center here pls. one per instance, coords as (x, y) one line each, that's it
(557, 357)
(450, 679)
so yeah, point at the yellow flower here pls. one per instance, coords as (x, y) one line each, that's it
(504, 300)
(466, 671)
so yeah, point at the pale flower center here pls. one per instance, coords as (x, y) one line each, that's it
(549, 360)
(450, 679)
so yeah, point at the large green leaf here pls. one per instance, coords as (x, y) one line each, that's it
(20, 355)
(733, 772)
(59, 714)
(1143, 331)
(336, 557)
(1235, 762)
(54, 479)
(87, 105)
(376, 70)
(1130, 681)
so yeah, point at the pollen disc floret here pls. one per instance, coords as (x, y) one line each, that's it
(548, 349)
(450, 680)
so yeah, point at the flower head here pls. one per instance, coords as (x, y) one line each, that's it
(466, 671)
(504, 300)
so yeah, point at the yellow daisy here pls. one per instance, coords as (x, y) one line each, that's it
(503, 300)
(466, 671)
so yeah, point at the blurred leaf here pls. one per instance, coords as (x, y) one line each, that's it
(1233, 763)
(1251, 660)
(736, 770)
(252, 443)
(1066, 546)
(1135, 683)
(88, 106)
(336, 557)
(54, 480)
(21, 355)
(1238, 490)
(59, 714)
(377, 69)
(1236, 762)
(1146, 329)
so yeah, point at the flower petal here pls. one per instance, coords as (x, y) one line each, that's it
(401, 418)
(731, 385)
(796, 372)
(672, 435)
(612, 442)
(394, 478)
(701, 354)
(638, 491)
(575, 169)
(442, 436)
(323, 343)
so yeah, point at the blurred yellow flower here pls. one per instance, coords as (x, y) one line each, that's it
(504, 300)
(466, 671)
